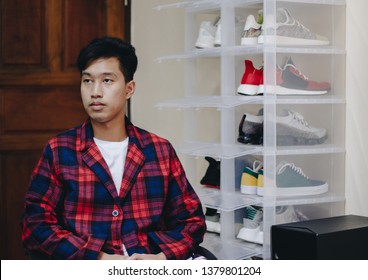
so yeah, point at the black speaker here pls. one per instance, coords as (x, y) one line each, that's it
(334, 238)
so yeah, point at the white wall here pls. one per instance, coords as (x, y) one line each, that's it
(357, 108)
(156, 34)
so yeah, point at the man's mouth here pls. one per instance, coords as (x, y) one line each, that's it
(96, 105)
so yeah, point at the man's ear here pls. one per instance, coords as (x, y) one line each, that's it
(129, 89)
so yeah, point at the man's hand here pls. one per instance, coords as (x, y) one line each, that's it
(104, 256)
(159, 256)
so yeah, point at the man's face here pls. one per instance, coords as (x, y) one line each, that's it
(104, 91)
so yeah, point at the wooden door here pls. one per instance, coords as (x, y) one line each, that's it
(39, 87)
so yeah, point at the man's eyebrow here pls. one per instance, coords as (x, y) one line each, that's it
(102, 74)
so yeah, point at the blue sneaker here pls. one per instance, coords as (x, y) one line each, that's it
(290, 180)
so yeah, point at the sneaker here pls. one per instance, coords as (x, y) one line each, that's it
(290, 81)
(291, 181)
(252, 29)
(211, 178)
(209, 34)
(217, 41)
(289, 31)
(251, 130)
(260, 182)
(251, 80)
(288, 214)
(292, 129)
(212, 220)
(249, 179)
(206, 36)
(252, 230)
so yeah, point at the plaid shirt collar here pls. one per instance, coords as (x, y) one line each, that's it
(86, 136)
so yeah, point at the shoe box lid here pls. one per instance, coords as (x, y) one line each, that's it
(341, 237)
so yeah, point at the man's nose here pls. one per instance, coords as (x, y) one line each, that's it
(96, 90)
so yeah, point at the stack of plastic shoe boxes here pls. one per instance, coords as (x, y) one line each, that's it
(288, 64)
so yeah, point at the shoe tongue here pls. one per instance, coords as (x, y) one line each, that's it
(281, 167)
(217, 21)
(290, 61)
(286, 61)
(282, 15)
(284, 113)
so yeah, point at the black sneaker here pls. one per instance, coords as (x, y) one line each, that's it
(211, 178)
(251, 129)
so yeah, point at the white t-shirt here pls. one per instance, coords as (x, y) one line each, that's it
(114, 153)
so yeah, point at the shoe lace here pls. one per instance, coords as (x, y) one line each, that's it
(299, 118)
(302, 26)
(299, 25)
(257, 165)
(250, 220)
(300, 215)
(282, 165)
(297, 71)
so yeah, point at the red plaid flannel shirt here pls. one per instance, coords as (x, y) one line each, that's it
(73, 211)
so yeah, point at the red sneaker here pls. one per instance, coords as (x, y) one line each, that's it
(290, 81)
(251, 79)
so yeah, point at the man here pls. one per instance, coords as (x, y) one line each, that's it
(107, 189)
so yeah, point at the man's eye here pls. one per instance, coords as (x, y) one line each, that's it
(87, 81)
(108, 81)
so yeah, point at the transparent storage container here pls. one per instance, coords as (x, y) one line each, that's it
(213, 110)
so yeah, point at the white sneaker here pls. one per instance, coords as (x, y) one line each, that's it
(206, 35)
(213, 223)
(217, 41)
(252, 29)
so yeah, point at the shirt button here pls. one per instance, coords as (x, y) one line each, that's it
(115, 213)
(117, 247)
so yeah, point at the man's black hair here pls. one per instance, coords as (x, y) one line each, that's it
(107, 47)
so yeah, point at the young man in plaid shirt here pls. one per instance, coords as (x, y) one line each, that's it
(107, 189)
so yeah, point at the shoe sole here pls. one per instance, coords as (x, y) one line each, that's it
(292, 41)
(294, 191)
(295, 141)
(285, 141)
(247, 89)
(213, 226)
(249, 41)
(250, 141)
(251, 235)
(279, 90)
(245, 189)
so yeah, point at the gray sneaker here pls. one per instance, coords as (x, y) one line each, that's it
(288, 214)
(292, 129)
(252, 230)
(291, 181)
(289, 31)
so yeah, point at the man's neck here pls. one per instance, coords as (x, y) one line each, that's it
(109, 132)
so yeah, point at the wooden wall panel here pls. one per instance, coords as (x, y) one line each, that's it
(81, 24)
(39, 88)
(16, 169)
(15, 33)
(29, 114)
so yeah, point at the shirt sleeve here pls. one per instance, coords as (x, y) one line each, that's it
(184, 217)
(42, 230)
